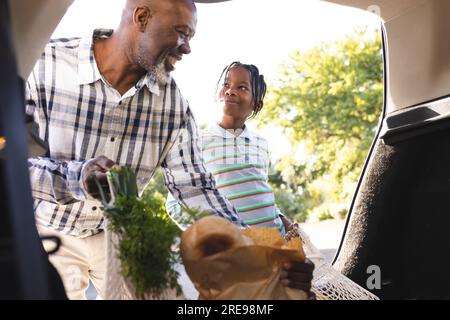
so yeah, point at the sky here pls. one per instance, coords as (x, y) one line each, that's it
(260, 32)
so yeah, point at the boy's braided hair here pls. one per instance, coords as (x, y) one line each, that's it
(257, 82)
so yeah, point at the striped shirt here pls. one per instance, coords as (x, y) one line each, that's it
(81, 117)
(239, 162)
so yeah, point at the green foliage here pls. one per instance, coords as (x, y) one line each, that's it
(325, 215)
(146, 233)
(287, 203)
(156, 184)
(188, 215)
(328, 100)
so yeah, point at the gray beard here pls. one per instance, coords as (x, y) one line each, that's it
(159, 71)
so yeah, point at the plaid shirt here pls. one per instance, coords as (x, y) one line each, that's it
(81, 117)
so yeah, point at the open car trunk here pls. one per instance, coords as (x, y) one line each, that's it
(398, 219)
(25, 28)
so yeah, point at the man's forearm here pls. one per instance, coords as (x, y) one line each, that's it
(56, 182)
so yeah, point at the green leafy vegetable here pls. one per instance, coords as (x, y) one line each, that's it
(147, 235)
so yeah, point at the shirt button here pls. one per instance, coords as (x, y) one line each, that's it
(112, 139)
(94, 208)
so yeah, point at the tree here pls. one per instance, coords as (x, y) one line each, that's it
(328, 100)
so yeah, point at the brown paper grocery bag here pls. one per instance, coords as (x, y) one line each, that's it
(244, 271)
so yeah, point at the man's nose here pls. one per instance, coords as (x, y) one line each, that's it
(185, 47)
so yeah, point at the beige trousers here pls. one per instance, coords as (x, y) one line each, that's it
(77, 261)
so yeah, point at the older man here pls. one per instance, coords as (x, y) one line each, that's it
(106, 100)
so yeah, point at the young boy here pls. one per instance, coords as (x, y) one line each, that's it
(239, 160)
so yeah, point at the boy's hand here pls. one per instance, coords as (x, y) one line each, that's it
(286, 222)
(298, 275)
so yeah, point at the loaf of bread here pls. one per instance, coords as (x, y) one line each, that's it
(208, 236)
(271, 237)
(212, 234)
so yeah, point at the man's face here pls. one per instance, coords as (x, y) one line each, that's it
(166, 37)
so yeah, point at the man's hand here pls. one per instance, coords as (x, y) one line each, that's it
(96, 170)
(298, 275)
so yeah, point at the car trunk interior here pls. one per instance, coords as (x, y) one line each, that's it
(398, 219)
(26, 272)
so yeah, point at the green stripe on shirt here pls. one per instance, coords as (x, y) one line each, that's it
(221, 145)
(232, 156)
(255, 206)
(261, 220)
(237, 167)
(240, 180)
(247, 193)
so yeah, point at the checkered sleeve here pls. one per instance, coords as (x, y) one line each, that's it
(187, 178)
(52, 181)
(56, 182)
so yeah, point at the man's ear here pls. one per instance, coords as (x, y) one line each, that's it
(141, 16)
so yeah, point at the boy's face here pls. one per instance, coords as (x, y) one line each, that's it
(236, 95)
